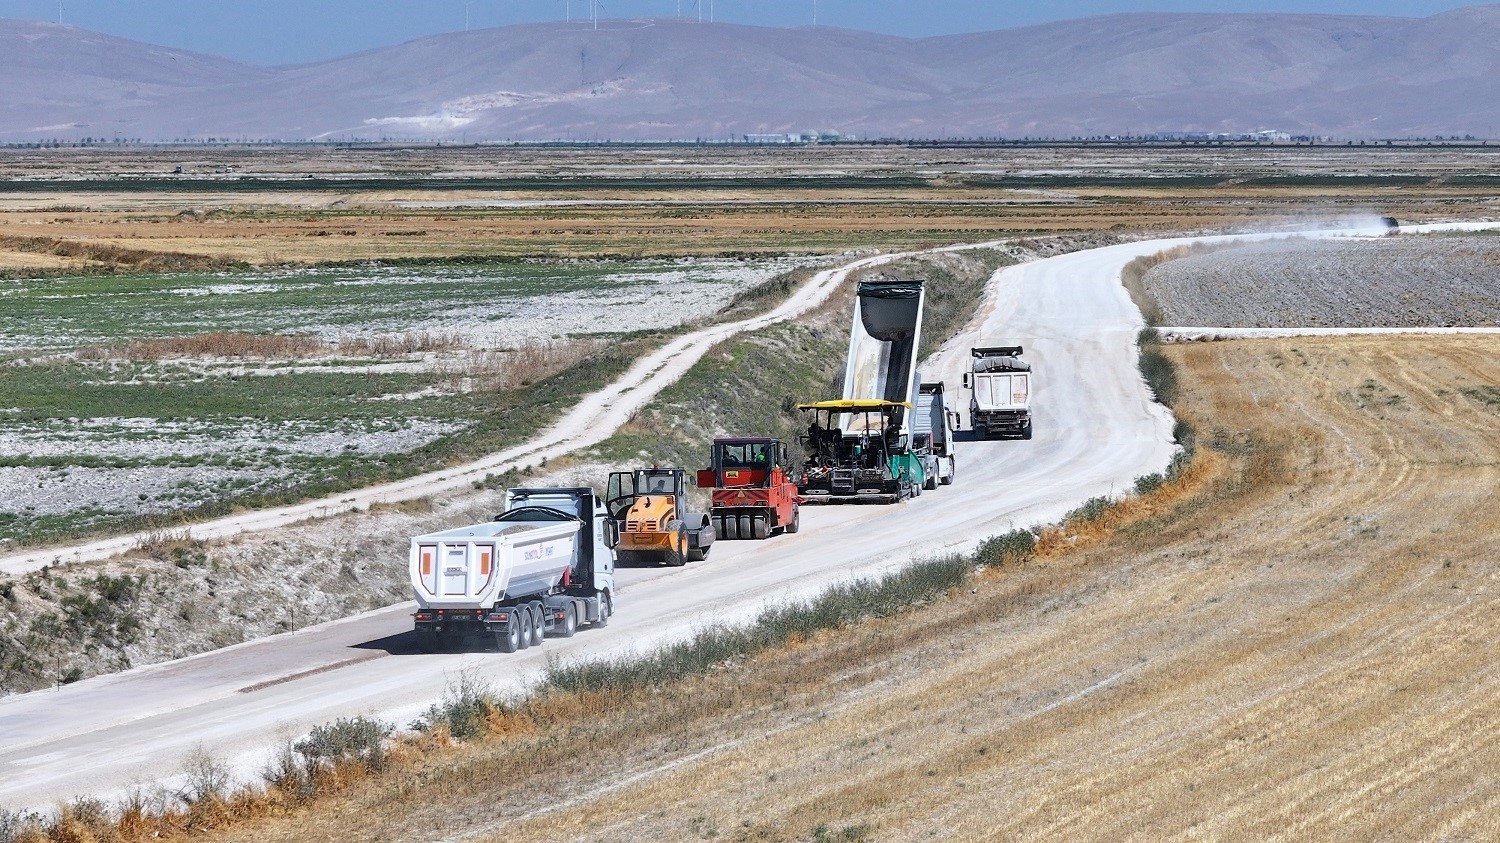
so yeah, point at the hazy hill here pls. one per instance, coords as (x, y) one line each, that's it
(1342, 76)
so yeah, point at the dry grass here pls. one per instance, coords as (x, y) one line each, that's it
(1300, 651)
(218, 344)
(240, 344)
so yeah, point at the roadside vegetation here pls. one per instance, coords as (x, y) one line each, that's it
(999, 692)
(468, 742)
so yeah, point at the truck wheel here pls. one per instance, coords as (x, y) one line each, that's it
(760, 526)
(606, 608)
(522, 622)
(1026, 431)
(509, 640)
(538, 625)
(747, 527)
(796, 523)
(931, 482)
(698, 554)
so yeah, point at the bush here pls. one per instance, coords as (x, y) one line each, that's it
(464, 709)
(1148, 483)
(1092, 510)
(1010, 548)
(347, 740)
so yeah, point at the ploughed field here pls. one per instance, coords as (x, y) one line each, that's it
(1405, 281)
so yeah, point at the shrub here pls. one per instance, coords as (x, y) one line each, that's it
(464, 710)
(1148, 483)
(205, 779)
(1091, 510)
(1009, 548)
(347, 740)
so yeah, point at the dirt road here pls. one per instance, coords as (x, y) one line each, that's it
(1096, 430)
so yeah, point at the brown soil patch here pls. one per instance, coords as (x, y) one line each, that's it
(1304, 652)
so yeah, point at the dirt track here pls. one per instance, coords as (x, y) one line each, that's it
(1306, 654)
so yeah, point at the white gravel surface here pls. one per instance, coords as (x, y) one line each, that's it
(1096, 430)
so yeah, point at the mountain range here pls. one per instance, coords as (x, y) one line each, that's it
(673, 79)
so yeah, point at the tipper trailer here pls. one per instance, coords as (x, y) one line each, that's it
(752, 495)
(543, 566)
(999, 384)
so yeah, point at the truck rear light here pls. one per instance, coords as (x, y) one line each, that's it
(500, 617)
(422, 616)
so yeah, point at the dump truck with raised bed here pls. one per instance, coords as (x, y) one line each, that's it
(656, 527)
(999, 384)
(543, 566)
(932, 434)
(857, 452)
(752, 495)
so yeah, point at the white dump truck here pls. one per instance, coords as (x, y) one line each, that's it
(1000, 392)
(543, 566)
(931, 429)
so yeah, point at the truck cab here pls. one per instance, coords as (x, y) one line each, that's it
(932, 429)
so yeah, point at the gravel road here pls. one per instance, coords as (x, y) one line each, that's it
(1404, 281)
(1097, 429)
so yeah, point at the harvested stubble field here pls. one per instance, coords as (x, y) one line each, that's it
(1406, 281)
(1299, 648)
(309, 205)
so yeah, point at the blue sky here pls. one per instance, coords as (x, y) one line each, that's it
(290, 31)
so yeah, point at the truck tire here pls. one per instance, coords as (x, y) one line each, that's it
(947, 479)
(509, 639)
(747, 526)
(698, 554)
(760, 526)
(796, 523)
(931, 482)
(522, 621)
(538, 625)
(606, 608)
(1026, 431)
